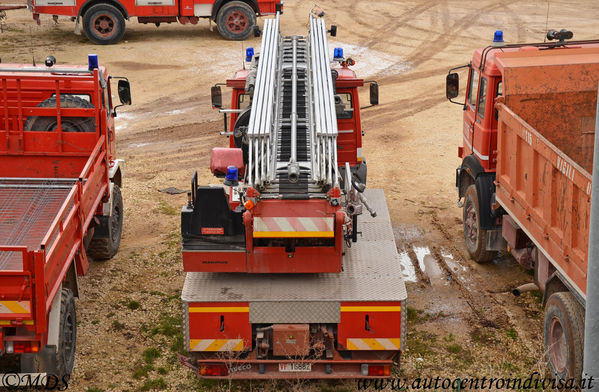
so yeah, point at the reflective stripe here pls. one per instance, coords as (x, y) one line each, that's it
(481, 156)
(9, 322)
(294, 227)
(370, 308)
(220, 309)
(18, 307)
(216, 344)
(373, 344)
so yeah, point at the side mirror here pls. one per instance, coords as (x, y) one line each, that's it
(217, 97)
(452, 85)
(124, 90)
(374, 93)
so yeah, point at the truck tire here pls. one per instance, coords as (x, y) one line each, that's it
(107, 237)
(564, 335)
(475, 237)
(59, 360)
(236, 20)
(69, 124)
(104, 24)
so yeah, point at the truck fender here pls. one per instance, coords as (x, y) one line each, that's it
(88, 3)
(219, 3)
(54, 318)
(466, 173)
(107, 207)
(557, 283)
(485, 189)
(115, 172)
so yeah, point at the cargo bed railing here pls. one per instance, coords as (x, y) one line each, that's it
(44, 269)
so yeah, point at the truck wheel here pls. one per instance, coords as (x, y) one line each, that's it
(236, 20)
(59, 360)
(564, 335)
(107, 235)
(103, 24)
(69, 124)
(476, 238)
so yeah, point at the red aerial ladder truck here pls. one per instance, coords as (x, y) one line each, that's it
(525, 177)
(60, 201)
(104, 20)
(279, 282)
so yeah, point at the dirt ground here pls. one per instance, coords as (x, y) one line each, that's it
(462, 319)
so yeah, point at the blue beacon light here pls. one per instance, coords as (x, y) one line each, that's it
(249, 53)
(232, 177)
(338, 53)
(92, 61)
(498, 38)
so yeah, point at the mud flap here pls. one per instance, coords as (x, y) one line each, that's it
(495, 240)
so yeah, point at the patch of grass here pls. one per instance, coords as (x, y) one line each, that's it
(177, 344)
(167, 326)
(537, 295)
(449, 338)
(95, 322)
(158, 293)
(419, 343)
(117, 325)
(417, 315)
(165, 208)
(141, 370)
(151, 354)
(511, 333)
(94, 389)
(454, 348)
(162, 371)
(133, 305)
(110, 314)
(510, 367)
(158, 383)
(480, 336)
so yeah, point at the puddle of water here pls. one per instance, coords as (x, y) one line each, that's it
(407, 268)
(420, 252)
(434, 271)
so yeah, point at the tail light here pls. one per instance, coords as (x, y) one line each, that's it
(25, 347)
(214, 369)
(376, 370)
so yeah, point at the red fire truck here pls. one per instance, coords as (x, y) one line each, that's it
(104, 20)
(285, 277)
(60, 201)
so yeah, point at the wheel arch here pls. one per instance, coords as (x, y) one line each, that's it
(557, 284)
(472, 172)
(218, 4)
(115, 3)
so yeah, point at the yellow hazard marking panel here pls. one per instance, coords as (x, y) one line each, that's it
(371, 308)
(15, 307)
(216, 344)
(219, 309)
(373, 344)
(293, 227)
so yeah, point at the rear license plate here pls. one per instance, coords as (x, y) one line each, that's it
(295, 367)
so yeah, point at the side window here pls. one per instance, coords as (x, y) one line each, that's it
(482, 97)
(473, 89)
(243, 101)
(345, 106)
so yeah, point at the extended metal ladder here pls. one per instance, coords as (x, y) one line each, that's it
(293, 127)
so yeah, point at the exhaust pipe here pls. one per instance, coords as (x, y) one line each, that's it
(524, 288)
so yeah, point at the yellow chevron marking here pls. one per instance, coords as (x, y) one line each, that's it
(216, 344)
(293, 234)
(370, 308)
(8, 322)
(219, 309)
(373, 344)
(15, 306)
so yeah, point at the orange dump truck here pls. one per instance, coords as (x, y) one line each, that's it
(529, 128)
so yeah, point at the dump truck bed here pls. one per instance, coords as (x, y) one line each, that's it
(28, 207)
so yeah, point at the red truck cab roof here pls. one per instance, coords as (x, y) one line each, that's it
(346, 78)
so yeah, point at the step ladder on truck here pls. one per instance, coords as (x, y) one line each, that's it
(279, 281)
(60, 201)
